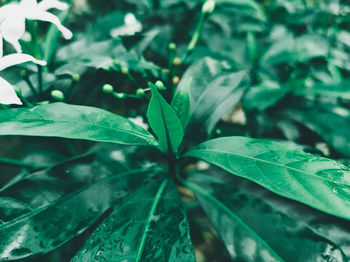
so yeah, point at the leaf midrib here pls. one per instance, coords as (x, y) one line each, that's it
(221, 205)
(148, 220)
(265, 161)
(62, 199)
(138, 134)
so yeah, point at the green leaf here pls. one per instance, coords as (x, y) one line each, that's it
(164, 122)
(181, 103)
(317, 117)
(341, 90)
(244, 219)
(45, 209)
(214, 92)
(72, 121)
(264, 95)
(149, 225)
(315, 181)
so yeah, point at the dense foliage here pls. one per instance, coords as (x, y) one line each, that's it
(175, 130)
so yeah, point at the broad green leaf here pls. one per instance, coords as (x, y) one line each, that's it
(264, 95)
(181, 103)
(72, 121)
(325, 119)
(45, 209)
(318, 182)
(214, 92)
(288, 49)
(251, 227)
(149, 225)
(164, 122)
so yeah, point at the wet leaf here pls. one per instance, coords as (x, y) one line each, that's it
(164, 122)
(317, 117)
(214, 92)
(181, 103)
(254, 230)
(149, 225)
(315, 181)
(45, 209)
(71, 121)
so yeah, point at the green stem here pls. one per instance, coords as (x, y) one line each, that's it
(20, 163)
(40, 79)
(30, 84)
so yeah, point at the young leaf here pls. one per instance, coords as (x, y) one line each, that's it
(181, 103)
(164, 122)
(72, 121)
(45, 209)
(273, 236)
(318, 182)
(149, 225)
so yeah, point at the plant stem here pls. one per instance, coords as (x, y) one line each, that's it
(40, 79)
(16, 162)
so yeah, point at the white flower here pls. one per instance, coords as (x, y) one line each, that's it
(130, 27)
(12, 19)
(7, 93)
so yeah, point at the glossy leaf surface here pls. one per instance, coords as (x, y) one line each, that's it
(71, 121)
(45, 209)
(149, 225)
(318, 182)
(181, 103)
(214, 91)
(164, 122)
(254, 230)
(327, 120)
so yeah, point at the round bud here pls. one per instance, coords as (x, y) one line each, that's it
(176, 61)
(176, 80)
(172, 46)
(116, 62)
(125, 70)
(23, 73)
(140, 92)
(57, 95)
(17, 90)
(159, 84)
(76, 77)
(107, 89)
(208, 7)
(119, 95)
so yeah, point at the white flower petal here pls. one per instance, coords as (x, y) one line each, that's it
(12, 29)
(48, 4)
(48, 17)
(7, 93)
(14, 59)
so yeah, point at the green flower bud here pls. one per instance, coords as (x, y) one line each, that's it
(17, 90)
(76, 77)
(125, 70)
(208, 7)
(140, 92)
(57, 95)
(176, 61)
(119, 95)
(107, 89)
(172, 46)
(116, 62)
(159, 84)
(23, 73)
